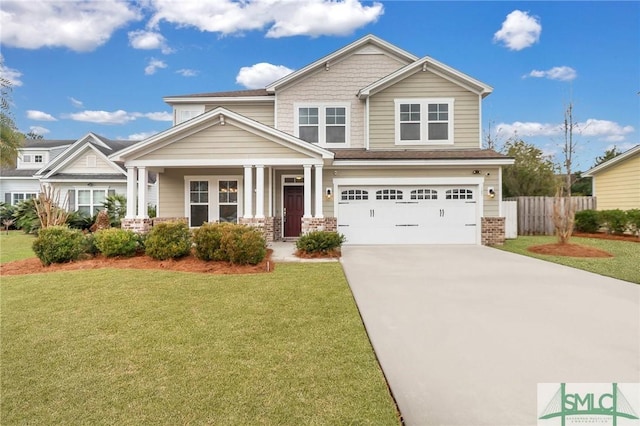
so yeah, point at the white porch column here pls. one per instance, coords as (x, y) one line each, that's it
(131, 193)
(260, 192)
(248, 192)
(319, 192)
(307, 190)
(142, 192)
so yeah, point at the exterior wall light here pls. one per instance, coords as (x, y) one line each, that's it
(491, 192)
(328, 194)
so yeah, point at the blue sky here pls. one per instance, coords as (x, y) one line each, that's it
(104, 66)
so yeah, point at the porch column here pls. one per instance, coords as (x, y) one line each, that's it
(248, 192)
(131, 193)
(260, 192)
(319, 192)
(142, 192)
(307, 190)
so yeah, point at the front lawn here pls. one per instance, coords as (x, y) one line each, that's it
(137, 347)
(15, 246)
(623, 265)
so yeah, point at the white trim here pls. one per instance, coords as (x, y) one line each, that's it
(307, 191)
(259, 192)
(213, 204)
(195, 109)
(213, 99)
(424, 121)
(199, 162)
(318, 193)
(480, 121)
(499, 191)
(618, 158)
(433, 162)
(367, 123)
(322, 123)
(92, 205)
(79, 150)
(88, 178)
(248, 192)
(282, 185)
(143, 179)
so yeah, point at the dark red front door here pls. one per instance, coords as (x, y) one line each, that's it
(293, 210)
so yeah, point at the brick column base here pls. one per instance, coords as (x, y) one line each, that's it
(139, 226)
(267, 225)
(493, 231)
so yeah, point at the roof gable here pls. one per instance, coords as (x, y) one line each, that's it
(218, 116)
(423, 65)
(100, 145)
(367, 44)
(631, 153)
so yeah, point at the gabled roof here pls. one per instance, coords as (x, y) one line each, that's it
(101, 145)
(338, 55)
(427, 64)
(615, 160)
(221, 114)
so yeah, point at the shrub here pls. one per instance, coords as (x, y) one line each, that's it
(614, 220)
(243, 245)
(208, 241)
(116, 242)
(587, 221)
(633, 220)
(58, 244)
(116, 207)
(26, 216)
(89, 245)
(168, 240)
(320, 242)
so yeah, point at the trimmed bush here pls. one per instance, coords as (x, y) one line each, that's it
(208, 241)
(633, 220)
(168, 240)
(116, 242)
(614, 220)
(320, 242)
(587, 221)
(243, 245)
(58, 244)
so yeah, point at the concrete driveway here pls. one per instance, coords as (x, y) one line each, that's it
(465, 333)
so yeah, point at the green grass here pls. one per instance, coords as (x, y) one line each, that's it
(135, 347)
(624, 264)
(15, 246)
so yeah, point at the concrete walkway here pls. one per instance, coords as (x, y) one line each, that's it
(465, 333)
(284, 251)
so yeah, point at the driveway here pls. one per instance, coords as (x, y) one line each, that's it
(465, 333)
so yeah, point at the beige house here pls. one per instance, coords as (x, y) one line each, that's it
(371, 141)
(616, 183)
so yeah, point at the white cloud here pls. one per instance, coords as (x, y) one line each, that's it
(12, 75)
(153, 66)
(149, 40)
(563, 73)
(259, 75)
(158, 116)
(39, 116)
(605, 130)
(284, 18)
(81, 26)
(140, 136)
(103, 117)
(519, 30)
(185, 72)
(76, 103)
(38, 130)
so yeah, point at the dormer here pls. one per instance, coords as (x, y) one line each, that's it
(32, 159)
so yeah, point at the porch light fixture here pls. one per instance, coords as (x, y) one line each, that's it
(328, 194)
(299, 178)
(491, 192)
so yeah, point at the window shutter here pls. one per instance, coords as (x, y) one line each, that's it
(111, 192)
(72, 200)
(7, 198)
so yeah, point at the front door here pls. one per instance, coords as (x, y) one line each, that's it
(293, 210)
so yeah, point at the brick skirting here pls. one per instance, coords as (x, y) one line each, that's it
(310, 224)
(493, 231)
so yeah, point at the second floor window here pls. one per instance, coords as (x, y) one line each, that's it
(325, 125)
(424, 121)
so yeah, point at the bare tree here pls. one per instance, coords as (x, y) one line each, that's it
(564, 208)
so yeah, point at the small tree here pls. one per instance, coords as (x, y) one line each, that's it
(531, 174)
(48, 207)
(564, 208)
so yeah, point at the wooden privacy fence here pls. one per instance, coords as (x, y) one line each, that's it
(534, 214)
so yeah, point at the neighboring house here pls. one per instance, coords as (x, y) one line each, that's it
(371, 141)
(616, 182)
(80, 170)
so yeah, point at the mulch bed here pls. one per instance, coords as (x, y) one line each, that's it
(570, 250)
(603, 236)
(185, 264)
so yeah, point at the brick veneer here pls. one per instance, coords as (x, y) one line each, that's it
(139, 226)
(310, 224)
(493, 231)
(266, 225)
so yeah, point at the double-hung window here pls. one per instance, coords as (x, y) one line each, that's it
(324, 124)
(17, 197)
(424, 121)
(90, 201)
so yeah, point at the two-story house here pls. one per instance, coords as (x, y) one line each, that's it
(371, 141)
(80, 170)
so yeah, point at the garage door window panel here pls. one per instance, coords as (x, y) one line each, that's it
(459, 194)
(388, 194)
(354, 194)
(424, 194)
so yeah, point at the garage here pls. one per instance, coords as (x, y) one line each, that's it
(403, 214)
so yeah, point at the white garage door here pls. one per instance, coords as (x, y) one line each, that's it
(408, 214)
